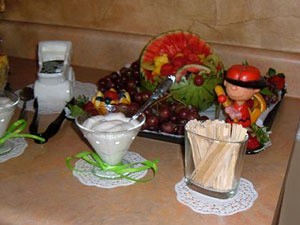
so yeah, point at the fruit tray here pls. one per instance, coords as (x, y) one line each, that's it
(197, 71)
(178, 139)
(268, 120)
(128, 78)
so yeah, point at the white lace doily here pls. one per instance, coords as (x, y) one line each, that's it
(19, 145)
(86, 89)
(243, 200)
(88, 176)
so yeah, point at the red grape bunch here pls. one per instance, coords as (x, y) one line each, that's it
(166, 115)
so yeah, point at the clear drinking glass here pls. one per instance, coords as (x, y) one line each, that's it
(213, 167)
(8, 103)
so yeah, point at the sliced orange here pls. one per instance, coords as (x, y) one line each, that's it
(258, 107)
(260, 102)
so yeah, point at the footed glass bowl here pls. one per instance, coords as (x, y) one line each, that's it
(110, 135)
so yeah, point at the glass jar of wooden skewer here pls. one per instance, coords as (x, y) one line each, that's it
(214, 156)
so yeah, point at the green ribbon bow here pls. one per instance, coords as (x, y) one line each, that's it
(14, 132)
(122, 169)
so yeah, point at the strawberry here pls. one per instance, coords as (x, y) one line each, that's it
(90, 108)
(111, 94)
(253, 143)
(277, 80)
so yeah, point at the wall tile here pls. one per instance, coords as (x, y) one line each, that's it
(108, 34)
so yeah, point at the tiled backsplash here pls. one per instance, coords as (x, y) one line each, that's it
(110, 50)
(109, 34)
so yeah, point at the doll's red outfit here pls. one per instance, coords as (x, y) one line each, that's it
(245, 119)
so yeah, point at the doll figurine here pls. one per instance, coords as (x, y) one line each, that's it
(242, 83)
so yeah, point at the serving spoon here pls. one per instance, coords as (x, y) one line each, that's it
(160, 90)
(25, 95)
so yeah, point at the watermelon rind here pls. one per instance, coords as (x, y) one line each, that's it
(194, 52)
(172, 43)
(186, 91)
(191, 68)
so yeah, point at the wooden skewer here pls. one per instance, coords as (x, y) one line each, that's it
(215, 159)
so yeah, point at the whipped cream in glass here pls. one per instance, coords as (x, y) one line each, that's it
(8, 103)
(110, 135)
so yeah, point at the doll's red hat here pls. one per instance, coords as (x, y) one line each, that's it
(245, 76)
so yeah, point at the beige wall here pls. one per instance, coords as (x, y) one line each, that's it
(107, 34)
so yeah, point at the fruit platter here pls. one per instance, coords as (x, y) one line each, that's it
(197, 70)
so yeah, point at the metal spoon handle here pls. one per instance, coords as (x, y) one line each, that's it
(23, 113)
(161, 89)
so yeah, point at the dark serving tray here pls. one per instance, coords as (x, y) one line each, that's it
(268, 122)
(179, 139)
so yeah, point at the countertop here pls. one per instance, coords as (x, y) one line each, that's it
(38, 188)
